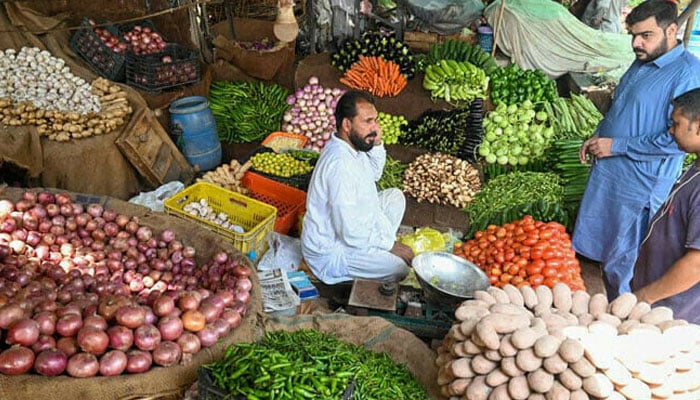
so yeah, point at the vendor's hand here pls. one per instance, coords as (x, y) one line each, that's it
(584, 150)
(403, 252)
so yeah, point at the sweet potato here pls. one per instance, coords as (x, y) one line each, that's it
(458, 350)
(609, 319)
(555, 322)
(570, 380)
(464, 313)
(581, 394)
(518, 388)
(685, 337)
(598, 385)
(506, 348)
(561, 297)
(672, 323)
(510, 309)
(575, 332)
(579, 302)
(524, 338)
(456, 333)
(652, 374)
(570, 318)
(639, 310)
(598, 351)
(544, 296)
(444, 376)
(510, 368)
(598, 304)
(583, 368)
(471, 348)
(540, 380)
(459, 386)
(529, 296)
(505, 323)
(539, 325)
(487, 334)
(546, 346)
(478, 389)
(623, 305)
(516, 298)
(498, 294)
(527, 361)
(558, 392)
(554, 364)
(627, 326)
(571, 350)
(585, 319)
(500, 392)
(481, 365)
(537, 396)
(636, 390)
(461, 368)
(493, 355)
(657, 315)
(484, 296)
(496, 378)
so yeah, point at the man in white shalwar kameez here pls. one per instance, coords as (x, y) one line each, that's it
(350, 228)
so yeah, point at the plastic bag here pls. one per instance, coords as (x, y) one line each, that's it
(284, 253)
(424, 239)
(154, 200)
(445, 16)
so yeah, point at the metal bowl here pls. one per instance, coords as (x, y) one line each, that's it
(446, 278)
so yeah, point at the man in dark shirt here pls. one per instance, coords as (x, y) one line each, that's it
(667, 271)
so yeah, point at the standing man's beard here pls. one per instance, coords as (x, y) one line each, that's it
(660, 50)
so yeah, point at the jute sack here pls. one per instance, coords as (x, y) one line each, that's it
(158, 383)
(373, 333)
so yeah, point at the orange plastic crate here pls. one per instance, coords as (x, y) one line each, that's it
(289, 201)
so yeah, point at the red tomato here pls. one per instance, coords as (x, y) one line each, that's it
(536, 280)
(549, 272)
(554, 262)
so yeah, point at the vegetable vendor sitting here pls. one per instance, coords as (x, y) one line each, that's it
(349, 230)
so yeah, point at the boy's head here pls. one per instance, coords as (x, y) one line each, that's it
(686, 121)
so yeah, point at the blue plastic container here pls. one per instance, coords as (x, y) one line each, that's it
(192, 119)
(485, 34)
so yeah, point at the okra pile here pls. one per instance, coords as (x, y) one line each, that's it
(308, 364)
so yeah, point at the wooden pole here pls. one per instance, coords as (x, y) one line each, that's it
(688, 13)
(496, 31)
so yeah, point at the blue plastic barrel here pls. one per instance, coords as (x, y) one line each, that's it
(485, 34)
(191, 117)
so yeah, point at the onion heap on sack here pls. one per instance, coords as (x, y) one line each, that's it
(543, 343)
(87, 291)
(39, 89)
(312, 113)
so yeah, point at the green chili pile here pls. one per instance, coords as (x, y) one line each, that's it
(307, 364)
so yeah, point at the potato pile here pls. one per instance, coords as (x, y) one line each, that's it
(228, 176)
(442, 179)
(63, 126)
(525, 343)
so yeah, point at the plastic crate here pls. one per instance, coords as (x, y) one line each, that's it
(288, 200)
(108, 63)
(256, 217)
(151, 73)
(300, 182)
(295, 141)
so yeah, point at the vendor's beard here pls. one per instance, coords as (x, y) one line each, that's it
(360, 143)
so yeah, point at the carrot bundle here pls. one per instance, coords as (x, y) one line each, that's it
(375, 75)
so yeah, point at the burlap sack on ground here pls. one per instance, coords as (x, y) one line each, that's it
(159, 383)
(373, 333)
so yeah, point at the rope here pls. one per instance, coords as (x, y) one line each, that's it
(124, 21)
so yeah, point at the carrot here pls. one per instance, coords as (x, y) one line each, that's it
(375, 75)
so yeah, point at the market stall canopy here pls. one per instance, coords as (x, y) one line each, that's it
(542, 34)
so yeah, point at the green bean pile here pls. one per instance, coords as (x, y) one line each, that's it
(392, 176)
(508, 197)
(307, 364)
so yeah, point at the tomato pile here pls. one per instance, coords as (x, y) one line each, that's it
(524, 252)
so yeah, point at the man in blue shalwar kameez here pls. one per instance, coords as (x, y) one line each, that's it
(635, 160)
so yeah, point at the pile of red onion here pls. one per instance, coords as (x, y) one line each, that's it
(312, 113)
(144, 40)
(87, 291)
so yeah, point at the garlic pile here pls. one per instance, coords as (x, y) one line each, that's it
(35, 75)
(203, 210)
